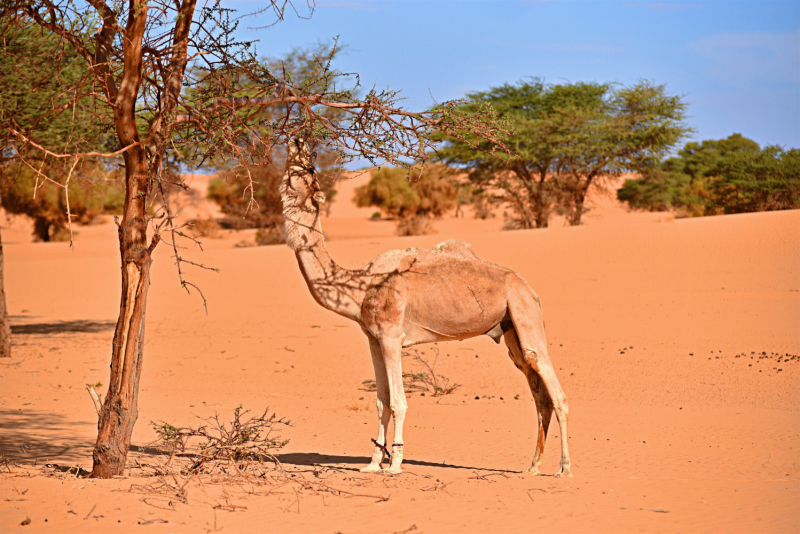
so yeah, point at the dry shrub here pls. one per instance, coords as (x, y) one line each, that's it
(414, 225)
(216, 443)
(482, 208)
(61, 235)
(207, 227)
(424, 381)
(272, 235)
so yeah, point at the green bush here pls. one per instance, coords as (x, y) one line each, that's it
(93, 190)
(410, 197)
(731, 175)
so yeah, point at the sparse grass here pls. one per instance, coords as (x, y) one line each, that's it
(359, 405)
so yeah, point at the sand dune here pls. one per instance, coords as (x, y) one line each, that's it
(670, 339)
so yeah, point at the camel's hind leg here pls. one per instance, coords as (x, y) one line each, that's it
(384, 414)
(544, 406)
(526, 314)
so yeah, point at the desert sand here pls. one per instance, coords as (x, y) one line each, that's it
(677, 343)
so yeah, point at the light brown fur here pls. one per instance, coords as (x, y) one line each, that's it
(411, 296)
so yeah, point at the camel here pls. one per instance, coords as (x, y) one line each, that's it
(412, 296)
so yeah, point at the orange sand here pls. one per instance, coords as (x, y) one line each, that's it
(670, 430)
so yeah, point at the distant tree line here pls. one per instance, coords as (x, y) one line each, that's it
(714, 177)
(569, 138)
(574, 137)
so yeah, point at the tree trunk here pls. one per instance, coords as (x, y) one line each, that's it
(41, 229)
(541, 203)
(5, 327)
(120, 408)
(542, 210)
(577, 209)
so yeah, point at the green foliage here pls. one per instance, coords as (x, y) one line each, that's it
(731, 175)
(40, 77)
(250, 206)
(568, 138)
(413, 197)
(93, 191)
(306, 70)
(768, 180)
(39, 74)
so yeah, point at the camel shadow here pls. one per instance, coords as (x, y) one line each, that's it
(313, 458)
(63, 327)
(31, 436)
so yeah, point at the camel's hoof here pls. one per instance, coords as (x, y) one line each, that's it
(564, 473)
(371, 468)
(393, 471)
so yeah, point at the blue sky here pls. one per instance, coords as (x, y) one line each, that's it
(737, 63)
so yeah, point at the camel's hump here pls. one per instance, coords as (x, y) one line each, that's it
(402, 259)
(456, 247)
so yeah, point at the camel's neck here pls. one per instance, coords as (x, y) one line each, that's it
(332, 286)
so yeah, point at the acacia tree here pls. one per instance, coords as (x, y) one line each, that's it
(137, 57)
(265, 211)
(569, 137)
(35, 69)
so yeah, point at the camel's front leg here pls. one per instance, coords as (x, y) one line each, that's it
(392, 354)
(382, 388)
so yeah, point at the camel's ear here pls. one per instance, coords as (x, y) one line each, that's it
(319, 197)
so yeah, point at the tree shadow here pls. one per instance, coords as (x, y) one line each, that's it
(28, 436)
(64, 327)
(312, 458)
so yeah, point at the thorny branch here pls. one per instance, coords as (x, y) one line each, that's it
(172, 80)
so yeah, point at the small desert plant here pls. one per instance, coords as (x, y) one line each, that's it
(482, 208)
(94, 190)
(237, 441)
(437, 384)
(425, 381)
(271, 235)
(414, 225)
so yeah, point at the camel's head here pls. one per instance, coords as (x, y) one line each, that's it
(300, 188)
(301, 196)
